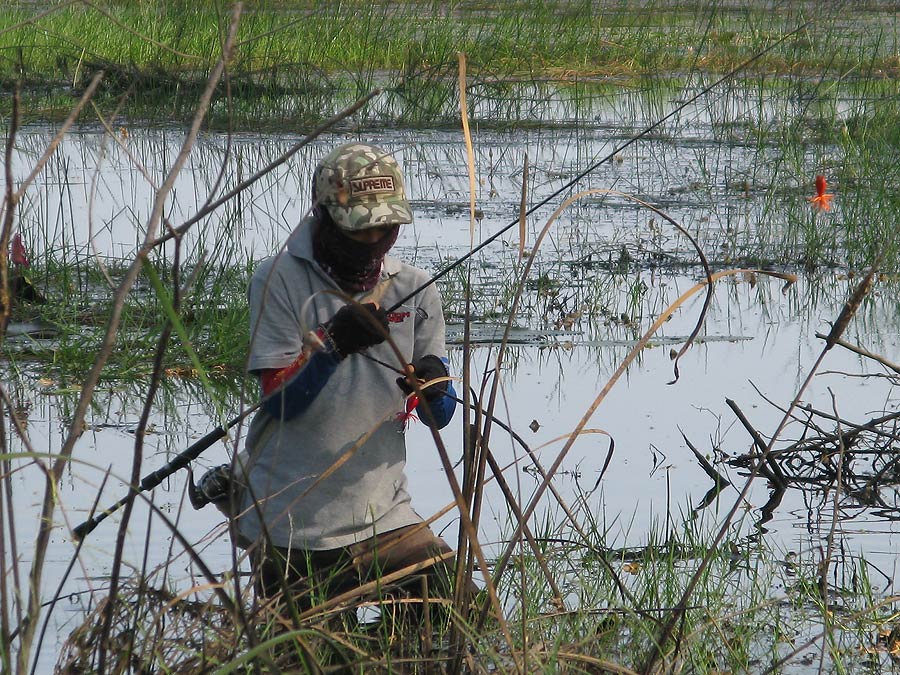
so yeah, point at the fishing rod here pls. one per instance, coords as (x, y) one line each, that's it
(183, 459)
(180, 461)
(593, 167)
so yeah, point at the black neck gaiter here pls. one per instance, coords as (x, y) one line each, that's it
(354, 265)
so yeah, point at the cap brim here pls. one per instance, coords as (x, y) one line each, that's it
(354, 217)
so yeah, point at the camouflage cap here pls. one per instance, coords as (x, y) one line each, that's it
(362, 187)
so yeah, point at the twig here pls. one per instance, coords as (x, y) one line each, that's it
(843, 321)
(718, 479)
(774, 472)
(863, 352)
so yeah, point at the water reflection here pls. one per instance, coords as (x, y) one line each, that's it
(606, 271)
(758, 343)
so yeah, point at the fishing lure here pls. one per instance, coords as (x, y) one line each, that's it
(408, 414)
(821, 201)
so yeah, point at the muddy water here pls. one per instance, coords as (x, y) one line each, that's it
(606, 270)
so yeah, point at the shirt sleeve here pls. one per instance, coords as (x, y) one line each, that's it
(292, 378)
(276, 333)
(294, 396)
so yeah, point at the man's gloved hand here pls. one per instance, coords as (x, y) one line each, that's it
(356, 327)
(427, 368)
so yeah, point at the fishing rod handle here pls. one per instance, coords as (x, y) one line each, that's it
(88, 526)
(182, 459)
(185, 457)
(150, 481)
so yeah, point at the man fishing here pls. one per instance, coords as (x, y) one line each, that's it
(326, 504)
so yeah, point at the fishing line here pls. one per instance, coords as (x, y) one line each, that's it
(593, 167)
(184, 458)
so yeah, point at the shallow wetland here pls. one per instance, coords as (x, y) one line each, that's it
(801, 580)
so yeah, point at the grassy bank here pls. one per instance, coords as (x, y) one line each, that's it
(294, 56)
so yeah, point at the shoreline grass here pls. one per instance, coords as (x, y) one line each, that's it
(292, 57)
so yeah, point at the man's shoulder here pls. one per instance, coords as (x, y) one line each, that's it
(282, 273)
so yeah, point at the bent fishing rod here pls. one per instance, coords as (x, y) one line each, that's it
(184, 458)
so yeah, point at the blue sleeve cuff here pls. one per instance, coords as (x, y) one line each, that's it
(299, 392)
(442, 407)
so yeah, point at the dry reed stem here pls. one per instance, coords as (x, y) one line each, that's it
(863, 352)
(468, 526)
(463, 566)
(504, 559)
(844, 319)
(529, 536)
(473, 476)
(77, 424)
(9, 210)
(523, 203)
(137, 457)
(829, 542)
(467, 136)
(850, 307)
(773, 472)
(28, 623)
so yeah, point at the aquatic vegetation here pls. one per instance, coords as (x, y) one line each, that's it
(149, 338)
(296, 61)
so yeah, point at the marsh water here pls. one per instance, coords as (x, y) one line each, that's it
(608, 267)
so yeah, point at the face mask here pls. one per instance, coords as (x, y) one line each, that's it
(354, 265)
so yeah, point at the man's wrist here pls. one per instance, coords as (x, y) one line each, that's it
(328, 344)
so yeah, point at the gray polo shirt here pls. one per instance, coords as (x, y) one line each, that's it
(289, 296)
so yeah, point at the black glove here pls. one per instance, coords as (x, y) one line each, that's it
(356, 327)
(427, 368)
